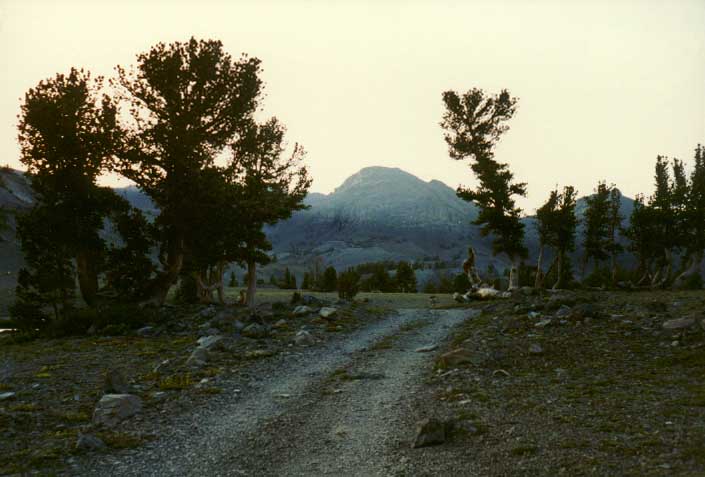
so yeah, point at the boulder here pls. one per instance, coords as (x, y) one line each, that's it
(255, 331)
(429, 432)
(328, 313)
(310, 300)
(280, 325)
(458, 297)
(146, 331)
(456, 357)
(584, 310)
(113, 408)
(115, 382)
(88, 442)
(679, 323)
(535, 348)
(302, 310)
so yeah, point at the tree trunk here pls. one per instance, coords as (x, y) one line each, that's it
(220, 282)
(251, 283)
(538, 283)
(690, 269)
(87, 276)
(513, 275)
(559, 264)
(613, 268)
(166, 279)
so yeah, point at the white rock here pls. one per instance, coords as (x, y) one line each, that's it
(302, 310)
(6, 396)
(304, 338)
(210, 342)
(679, 323)
(427, 349)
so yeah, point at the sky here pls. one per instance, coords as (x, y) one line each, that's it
(603, 86)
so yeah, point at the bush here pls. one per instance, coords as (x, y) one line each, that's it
(28, 316)
(693, 282)
(348, 284)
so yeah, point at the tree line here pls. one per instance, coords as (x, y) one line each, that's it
(665, 227)
(180, 124)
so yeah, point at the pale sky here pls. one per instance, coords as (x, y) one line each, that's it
(603, 86)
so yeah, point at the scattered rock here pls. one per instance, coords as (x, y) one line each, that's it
(310, 300)
(678, 323)
(543, 323)
(302, 310)
(465, 426)
(427, 349)
(584, 310)
(533, 315)
(429, 432)
(238, 325)
(328, 312)
(159, 396)
(255, 331)
(563, 312)
(535, 348)
(7, 396)
(456, 357)
(113, 408)
(281, 324)
(89, 442)
(115, 382)
(458, 297)
(304, 338)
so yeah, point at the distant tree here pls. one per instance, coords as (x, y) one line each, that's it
(273, 280)
(405, 278)
(614, 226)
(186, 101)
(461, 283)
(430, 287)
(693, 220)
(596, 238)
(546, 224)
(329, 280)
(642, 229)
(233, 280)
(564, 235)
(348, 284)
(474, 124)
(661, 204)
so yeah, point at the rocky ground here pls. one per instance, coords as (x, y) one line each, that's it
(587, 383)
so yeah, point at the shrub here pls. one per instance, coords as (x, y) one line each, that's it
(348, 284)
(693, 282)
(28, 316)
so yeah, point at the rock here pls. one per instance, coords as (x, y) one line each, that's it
(456, 357)
(211, 342)
(328, 312)
(465, 426)
(115, 382)
(543, 323)
(7, 396)
(302, 310)
(281, 324)
(678, 323)
(535, 348)
(429, 432)
(458, 297)
(427, 349)
(146, 331)
(199, 357)
(238, 325)
(113, 408)
(304, 338)
(159, 396)
(255, 331)
(88, 442)
(533, 315)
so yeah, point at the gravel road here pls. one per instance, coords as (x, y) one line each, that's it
(336, 409)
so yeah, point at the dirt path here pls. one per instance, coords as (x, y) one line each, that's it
(333, 410)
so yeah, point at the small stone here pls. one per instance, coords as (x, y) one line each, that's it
(563, 312)
(304, 338)
(543, 323)
(533, 315)
(146, 331)
(281, 324)
(113, 408)
(159, 396)
(238, 325)
(255, 331)
(678, 323)
(89, 442)
(427, 349)
(535, 348)
(429, 432)
(302, 310)
(198, 358)
(7, 396)
(327, 312)
(210, 342)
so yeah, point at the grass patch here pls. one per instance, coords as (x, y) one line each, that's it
(176, 382)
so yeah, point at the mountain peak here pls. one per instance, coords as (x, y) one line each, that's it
(376, 176)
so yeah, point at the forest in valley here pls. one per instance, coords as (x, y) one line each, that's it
(181, 125)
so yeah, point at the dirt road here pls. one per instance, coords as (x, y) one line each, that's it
(337, 409)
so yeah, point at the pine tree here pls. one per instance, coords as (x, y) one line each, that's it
(186, 102)
(641, 232)
(596, 239)
(233, 280)
(405, 278)
(306, 282)
(474, 124)
(329, 280)
(693, 221)
(546, 217)
(556, 222)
